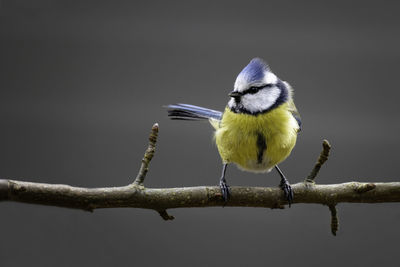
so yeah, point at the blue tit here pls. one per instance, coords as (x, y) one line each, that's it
(259, 126)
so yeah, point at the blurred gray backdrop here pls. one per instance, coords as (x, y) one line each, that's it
(81, 84)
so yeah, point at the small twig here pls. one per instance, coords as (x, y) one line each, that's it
(321, 160)
(164, 214)
(148, 155)
(334, 219)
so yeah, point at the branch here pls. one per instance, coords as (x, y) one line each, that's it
(136, 195)
(160, 199)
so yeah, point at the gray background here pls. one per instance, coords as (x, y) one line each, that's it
(81, 85)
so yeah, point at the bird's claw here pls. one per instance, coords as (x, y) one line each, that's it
(225, 191)
(287, 190)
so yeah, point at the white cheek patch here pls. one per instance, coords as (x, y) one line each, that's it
(262, 100)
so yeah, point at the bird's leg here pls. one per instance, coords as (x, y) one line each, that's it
(223, 185)
(285, 186)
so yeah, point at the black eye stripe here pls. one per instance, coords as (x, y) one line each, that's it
(254, 89)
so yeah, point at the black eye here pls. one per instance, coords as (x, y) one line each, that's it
(253, 90)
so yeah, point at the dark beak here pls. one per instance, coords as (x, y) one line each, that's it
(235, 94)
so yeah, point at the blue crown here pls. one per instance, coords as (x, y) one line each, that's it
(255, 70)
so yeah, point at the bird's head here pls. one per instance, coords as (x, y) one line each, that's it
(257, 89)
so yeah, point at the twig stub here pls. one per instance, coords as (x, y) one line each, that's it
(148, 155)
(362, 188)
(334, 219)
(326, 147)
(164, 214)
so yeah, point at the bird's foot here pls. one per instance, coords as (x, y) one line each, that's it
(287, 190)
(225, 191)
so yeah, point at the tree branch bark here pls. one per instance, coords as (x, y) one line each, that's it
(160, 199)
(135, 195)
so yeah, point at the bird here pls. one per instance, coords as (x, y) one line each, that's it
(258, 128)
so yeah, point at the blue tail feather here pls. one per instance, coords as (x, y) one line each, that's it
(190, 112)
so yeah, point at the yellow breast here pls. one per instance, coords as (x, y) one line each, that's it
(239, 138)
